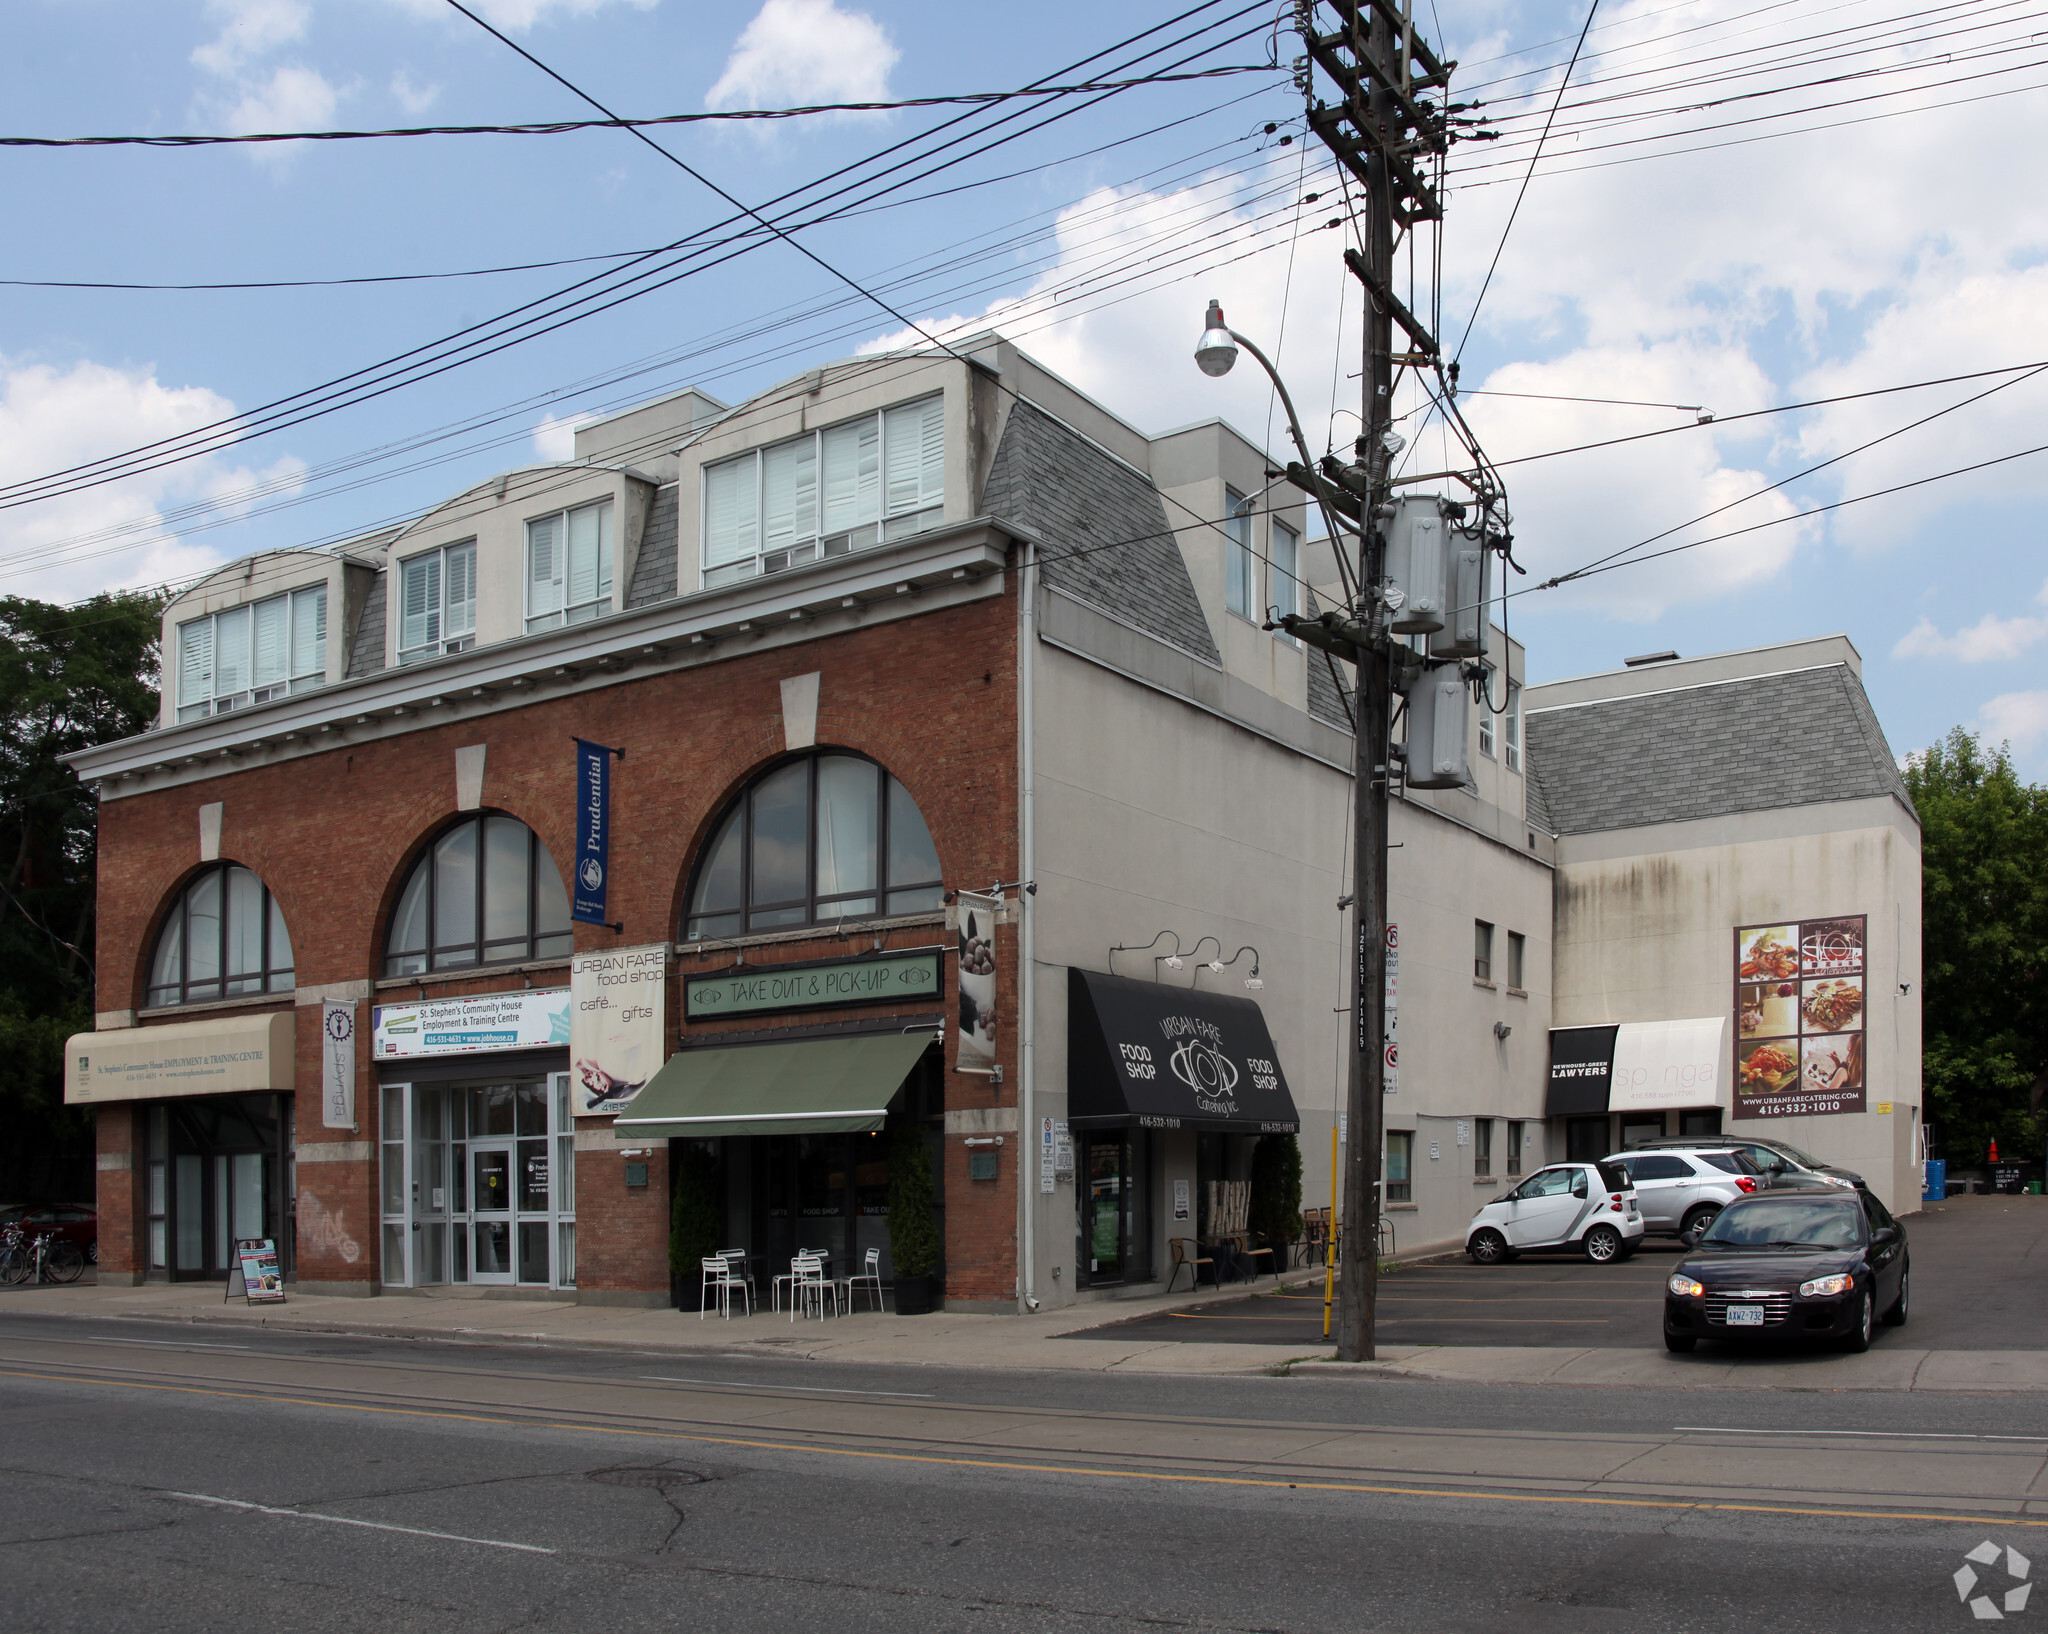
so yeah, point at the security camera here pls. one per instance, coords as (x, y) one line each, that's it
(1346, 901)
(1905, 988)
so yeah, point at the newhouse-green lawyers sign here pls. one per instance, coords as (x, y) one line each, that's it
(754, 989)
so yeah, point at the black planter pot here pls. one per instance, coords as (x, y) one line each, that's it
(685, 1293)
(913, 1296)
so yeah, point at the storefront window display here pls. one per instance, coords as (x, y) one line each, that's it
(216, 1172)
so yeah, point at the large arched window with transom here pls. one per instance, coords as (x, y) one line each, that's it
(224, 938)
(485, 892)
(813, 841)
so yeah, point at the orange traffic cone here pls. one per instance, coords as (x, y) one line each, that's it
(1994, 1151)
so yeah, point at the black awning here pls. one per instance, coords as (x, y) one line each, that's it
(1171, 1058)
(1581, 1070)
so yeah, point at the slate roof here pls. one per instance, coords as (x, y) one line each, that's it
(1538, 803)
(1756, 744)
(1104, 526)
(366, 652)
(654, 573)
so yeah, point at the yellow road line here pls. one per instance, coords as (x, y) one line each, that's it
(1182, 1478)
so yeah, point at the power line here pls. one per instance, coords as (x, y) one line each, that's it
(328, 283)
(564, 126)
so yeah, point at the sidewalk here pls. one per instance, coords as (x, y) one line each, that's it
(946, 1339)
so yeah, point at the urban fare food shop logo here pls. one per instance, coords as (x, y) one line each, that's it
(1199, 1062)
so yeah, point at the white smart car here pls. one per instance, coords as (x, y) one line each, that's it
(1589, 1208)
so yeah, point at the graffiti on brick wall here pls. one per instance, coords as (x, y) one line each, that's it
(323, 1230)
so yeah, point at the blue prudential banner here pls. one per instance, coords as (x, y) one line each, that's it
(593, 831)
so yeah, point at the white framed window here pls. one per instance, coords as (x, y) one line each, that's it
(860, 483)
(1240, 568)
(1486, 731)
(569, 566)
(1284, 578)
(437, 602)
(1511, 723)
(252, 653)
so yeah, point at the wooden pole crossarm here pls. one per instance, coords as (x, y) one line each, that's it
(1344, 75)
(1418, 332)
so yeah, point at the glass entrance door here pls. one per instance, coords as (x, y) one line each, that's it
(490, 1208)
(1114, 1199)
(1104, 1226)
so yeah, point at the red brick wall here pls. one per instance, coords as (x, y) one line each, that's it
(123, 1193)
(932, 698)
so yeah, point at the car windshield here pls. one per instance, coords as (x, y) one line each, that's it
(1787, 1222)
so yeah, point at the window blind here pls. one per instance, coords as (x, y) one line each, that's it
(195, 661)
(459, 611)
(231, 652)
(789, 489)
(914, 438)
(731, 501)
(273, 641)
(309, 631)
(546, 573)
(420, 614)
(589, 568)
(852, 477)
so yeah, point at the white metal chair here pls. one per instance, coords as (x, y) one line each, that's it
(869, 1277)
(809, 1286)
(736, 1258)
(719, 1283)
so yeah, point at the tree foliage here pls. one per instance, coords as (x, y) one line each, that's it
(1984, 896)
(1275, 1211)
(70, 677)
(693, 1223)
(913, 1233)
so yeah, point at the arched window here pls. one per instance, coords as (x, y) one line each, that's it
(223, 938)
(485, 892)
(827, 837)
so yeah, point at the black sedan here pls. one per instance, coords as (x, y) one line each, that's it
(1811, 1264)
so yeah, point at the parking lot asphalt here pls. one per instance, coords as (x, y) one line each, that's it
(1978, 1265)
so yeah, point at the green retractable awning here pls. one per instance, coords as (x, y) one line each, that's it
(813, 1086)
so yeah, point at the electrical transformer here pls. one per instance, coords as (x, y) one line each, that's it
(1468, 589)
(1417, 546)
(1439, 719)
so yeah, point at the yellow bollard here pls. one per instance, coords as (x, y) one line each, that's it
(1330, 1240)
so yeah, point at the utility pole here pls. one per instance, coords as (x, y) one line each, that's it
(1384, 131)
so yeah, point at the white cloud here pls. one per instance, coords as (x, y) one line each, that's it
(2018, 718)
(1990, 640)
(251, 29)
(799, 52)
(290, 99)
(414, 99)
(54, 418)
(520, 15)
(556, 439)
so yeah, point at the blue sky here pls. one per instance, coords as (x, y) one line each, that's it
(1790, 257)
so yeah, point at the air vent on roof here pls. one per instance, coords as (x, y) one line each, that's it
(1648, 658)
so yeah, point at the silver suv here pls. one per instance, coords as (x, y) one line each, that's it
(1680, 1190)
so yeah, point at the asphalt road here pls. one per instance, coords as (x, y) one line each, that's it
(162, 1480)
(1978, 1269)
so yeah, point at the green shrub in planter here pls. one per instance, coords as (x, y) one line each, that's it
(693, 1221)
(1274, 1216)
(913, 1233)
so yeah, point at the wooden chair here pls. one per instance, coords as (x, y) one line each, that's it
(1181, 1257)
(1241, 1241)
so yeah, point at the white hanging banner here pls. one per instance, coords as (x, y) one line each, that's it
(618, 1005)
(977, 926)
(337, 1065)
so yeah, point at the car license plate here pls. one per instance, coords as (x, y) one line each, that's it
(1745, 1316)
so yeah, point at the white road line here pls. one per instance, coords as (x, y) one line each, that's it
(813, 1389)
(1889, 1435)
(345, 1520)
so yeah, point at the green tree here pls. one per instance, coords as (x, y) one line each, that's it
(1275, 1211)
(694, 1212)
(70, 677)
(913, 1233)
(1984, 904)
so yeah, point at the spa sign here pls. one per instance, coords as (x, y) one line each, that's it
(830, 984)
(1799, 1017)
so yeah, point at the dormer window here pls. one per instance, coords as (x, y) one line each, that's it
(253, 653)
(860, 483)
(569, 567)
(437, 602)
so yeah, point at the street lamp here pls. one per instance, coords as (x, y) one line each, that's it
(1216, 351)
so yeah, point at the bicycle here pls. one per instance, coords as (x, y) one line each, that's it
(47, 1255)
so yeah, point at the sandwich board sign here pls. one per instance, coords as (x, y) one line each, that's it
(262, 1279)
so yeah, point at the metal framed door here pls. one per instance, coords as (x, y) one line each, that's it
(491, 1180)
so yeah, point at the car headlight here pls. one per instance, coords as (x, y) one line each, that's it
(1837, 1180)
(1821, 1287)
(1685, 1287)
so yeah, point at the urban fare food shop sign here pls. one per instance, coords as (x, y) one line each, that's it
(756, 989)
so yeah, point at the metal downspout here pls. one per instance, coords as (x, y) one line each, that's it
(1027, 1122)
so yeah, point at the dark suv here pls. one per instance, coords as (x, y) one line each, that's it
(1780, 1163)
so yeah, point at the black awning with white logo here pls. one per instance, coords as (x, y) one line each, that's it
(1166, 1057)
(1581, 1069)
